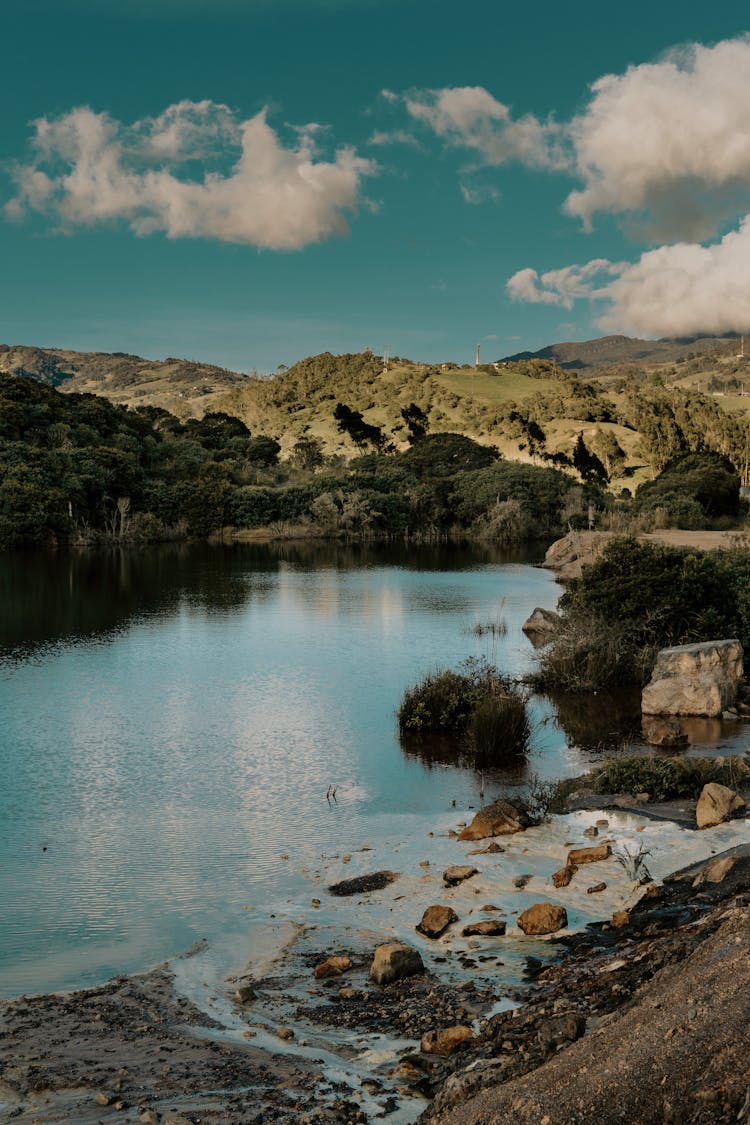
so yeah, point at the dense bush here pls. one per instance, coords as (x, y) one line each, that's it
(664, 779)
(704, 479)
(477, 702)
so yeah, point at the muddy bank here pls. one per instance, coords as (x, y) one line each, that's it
(288, 1042)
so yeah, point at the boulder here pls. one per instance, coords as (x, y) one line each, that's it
(332, 967)
(498, 819)
(541, 624)
(716, 804)
(596, 888)
(245, 994)
(394, 961)
(665, 733)
(698, 679)
(620, 918)
(543, 918)
(436, 920)
(578, 856)
(446, 1040)
(456, 874)
(495, 928)
(575, 550)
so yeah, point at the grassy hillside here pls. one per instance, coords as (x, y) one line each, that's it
(181, 386)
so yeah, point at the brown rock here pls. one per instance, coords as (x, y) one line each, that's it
(245, 993)
(495, 928)
(436, 920)
(562, 877)
(498, 819)
(332, 967)
(543, 918)
(620, 918)
(103, 1099)
(589, 855)
(520, 881)
(285, 1032)
(716, 804)
(596, 888)
(446, 1040)
(715, 871)
(456, 874)
(666, 733)
(393, 961)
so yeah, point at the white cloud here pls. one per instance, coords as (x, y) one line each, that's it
(470, 117)
(250, 188)
(477, 194)
(563, 286)
(676, 290)
(671, 138)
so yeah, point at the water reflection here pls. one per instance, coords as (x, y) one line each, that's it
(603, 722)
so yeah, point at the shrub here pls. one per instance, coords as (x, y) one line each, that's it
(442, 701)
(499, 728)
(664, 779)
(591, 654)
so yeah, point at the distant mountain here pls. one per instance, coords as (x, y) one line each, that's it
(182, 386)
(612, 351)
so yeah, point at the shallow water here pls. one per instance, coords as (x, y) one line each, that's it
(171, 720)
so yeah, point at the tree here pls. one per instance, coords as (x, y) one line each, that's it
(351, 423)
(416, 420)
(588, 464)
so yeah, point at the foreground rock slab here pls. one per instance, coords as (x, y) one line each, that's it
(698, 679)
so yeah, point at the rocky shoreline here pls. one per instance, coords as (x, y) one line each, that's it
(314, 1039)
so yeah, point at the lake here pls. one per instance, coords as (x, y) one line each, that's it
(171, 721)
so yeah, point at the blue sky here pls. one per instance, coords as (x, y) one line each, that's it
(250, 181)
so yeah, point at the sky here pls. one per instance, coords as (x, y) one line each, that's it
(247, 182)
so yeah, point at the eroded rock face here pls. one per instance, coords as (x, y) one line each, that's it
(699, 679)
(446, 1040)
(543, 918)
(716, 804)
(436, 920)
(393, 961)
(498, 819)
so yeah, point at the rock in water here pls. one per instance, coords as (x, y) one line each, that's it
(542, 623)
(716, 804)
(436, 920)
(665, 733)
(498, 819)
(363, 884)
(446, 1040)
(456, 874)
(332, 967)
(589, 855)
(394, 961)
(543, 918)
(562, 877)
(495, 928)
(699, 679)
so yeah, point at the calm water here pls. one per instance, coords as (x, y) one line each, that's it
(170, 722)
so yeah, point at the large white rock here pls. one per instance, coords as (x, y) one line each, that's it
(699, 679)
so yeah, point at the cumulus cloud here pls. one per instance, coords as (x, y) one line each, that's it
(470, 117)
(671, 138)
(675, 290)
(195, 171)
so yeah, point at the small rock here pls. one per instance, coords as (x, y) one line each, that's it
(446, 1040)
(620, 918)
(393, 961)
(103, 1099)
(602, 824)
(436, 920)
(589, 855)
(363, 884)
(348, 993)
(315, 902)
(543, 918)
(520, 881)
(501, 818)
(490, 909)
(332, 967)
(565, 1029)
(148, 1117)
(494, 928)
(245, 993)
(458, 873)
(562, 877)
(716, 804)
(285, 1032)
(346, 859)
(596, 888)
(592, 832)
